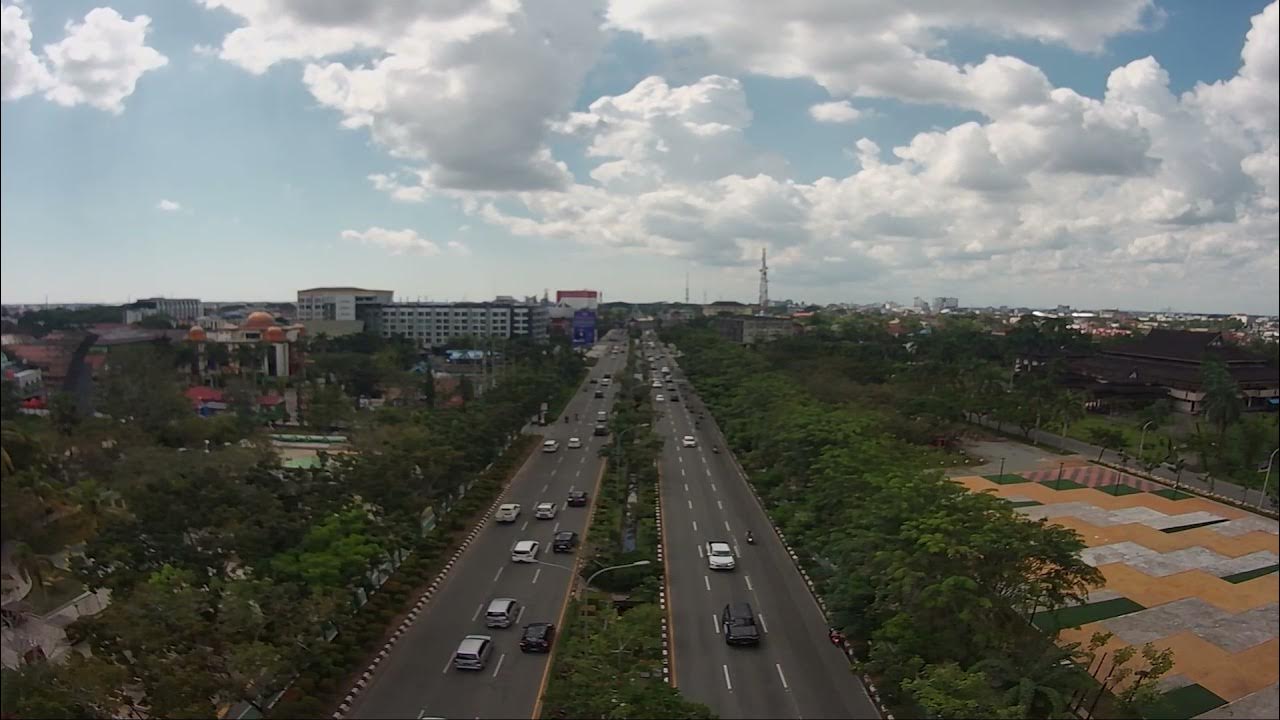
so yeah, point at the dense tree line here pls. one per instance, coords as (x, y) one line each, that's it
(935, 584)
(226, 570)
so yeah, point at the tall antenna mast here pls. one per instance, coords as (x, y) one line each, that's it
(764, 283)
(686, 287)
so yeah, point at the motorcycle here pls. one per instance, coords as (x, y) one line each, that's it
(751, 539)
(715, 449)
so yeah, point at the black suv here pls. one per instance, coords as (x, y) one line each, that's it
(599, 394)
(739, 624)
(564, 541)
(601, 429)
(577, 498)
(537, 637)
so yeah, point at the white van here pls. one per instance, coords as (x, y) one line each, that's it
(473, 652)
(501, 613)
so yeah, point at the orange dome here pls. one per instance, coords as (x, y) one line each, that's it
(274, 335)
(258, 320)
(197, 334)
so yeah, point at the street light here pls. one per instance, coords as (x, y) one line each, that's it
(1267, 479)
(1143, 438)
(595, 574)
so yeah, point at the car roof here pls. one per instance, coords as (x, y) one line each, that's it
(504, 506)
(472, 643)
(549, 442)
(538, 628)
(525, 544)
(721, 543)
(545, 504)
(566, 534)
(577, 492)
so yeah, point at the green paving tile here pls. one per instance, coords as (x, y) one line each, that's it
(1192, 526)
(1183, 703)
(1063, 484)
(1171, 494)
(1251, 574)
(1025, 503)
(1005, 479)
(1119, 489)
(1052, 621)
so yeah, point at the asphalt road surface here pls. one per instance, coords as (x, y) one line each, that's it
(418, 676)
(795, 672)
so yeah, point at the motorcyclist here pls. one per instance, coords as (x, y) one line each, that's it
(751, 539)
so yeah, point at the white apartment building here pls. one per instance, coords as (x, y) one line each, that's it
(340, 303)
(428, 323)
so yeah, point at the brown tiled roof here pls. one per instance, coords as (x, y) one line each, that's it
(1181, 345)
(1156, 372)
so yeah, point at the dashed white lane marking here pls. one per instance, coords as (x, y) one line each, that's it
(690, 504)
(763, 625)
(707, 581)
(726, 526)
(520, 614)
(499, 573)
(555, 529)
(686, 487)
(536, 573)
(748, 579)
(713, 487)
(727, 683)
(477, 612)
(719, 504)
(715, 623)
(699, 555)
(695, 526)
(782, 677)
(499, 667)
(525, 526)
(544, 487)
(682, 472)
(448, 663)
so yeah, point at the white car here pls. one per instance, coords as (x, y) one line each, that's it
(575, 443)
(656, 384)
(659, 397)
(689, 441)
(507, 513)
(720, 556)
(525, 551)
(545, 511)
(550, 446)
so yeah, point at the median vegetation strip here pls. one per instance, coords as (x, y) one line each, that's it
(608, 659)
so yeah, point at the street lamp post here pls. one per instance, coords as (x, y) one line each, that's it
(597, 573)
(1142, 439)
(1267, 479)
(1001, 476)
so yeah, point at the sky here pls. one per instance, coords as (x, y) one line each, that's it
(1097, 153)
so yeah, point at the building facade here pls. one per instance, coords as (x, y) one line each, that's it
(430, 323)
(752, 330)
(340, 303)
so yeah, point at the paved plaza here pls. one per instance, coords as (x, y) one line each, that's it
(1181, 572)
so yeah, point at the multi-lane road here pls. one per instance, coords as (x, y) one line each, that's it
(417, 677)
(794, 672)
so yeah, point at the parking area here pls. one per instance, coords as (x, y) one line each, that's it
(1181, 572)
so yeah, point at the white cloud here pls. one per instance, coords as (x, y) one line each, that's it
(396, 242)
(97, 63)
(835, 112)
(459, 248)
(463, 90)
(21, 72)
(168, 205)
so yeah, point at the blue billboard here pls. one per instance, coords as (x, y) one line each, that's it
(584, 328)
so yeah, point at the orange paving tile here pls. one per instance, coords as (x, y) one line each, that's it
(1151, 591)
(1150, 537)
(1047, 495)
(1229, 676)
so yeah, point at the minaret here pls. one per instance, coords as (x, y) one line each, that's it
(764, 283)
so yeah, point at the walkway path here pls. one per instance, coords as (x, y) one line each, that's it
(1193, 480)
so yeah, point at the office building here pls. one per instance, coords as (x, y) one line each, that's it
(345, 304)
(945, 303)
(432, 323)
(181, 310)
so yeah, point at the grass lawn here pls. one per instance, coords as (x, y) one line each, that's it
(1251, 574)
(55, 594)
(1171, 494)
(1053, 620)
(1005, 479)
(1119, 489)
(1063, 484)
(1184, 702)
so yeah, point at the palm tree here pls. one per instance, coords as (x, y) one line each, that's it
(1221, 396)
(1041, 684)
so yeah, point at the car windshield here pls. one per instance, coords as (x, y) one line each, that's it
(720, 550)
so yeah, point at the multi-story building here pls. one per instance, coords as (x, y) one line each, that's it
(340, 304)
(753, 330)
(945, 303)
(432, 323)
(182, 310)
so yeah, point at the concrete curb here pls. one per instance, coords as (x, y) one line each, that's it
(662, 591)
(363, 682)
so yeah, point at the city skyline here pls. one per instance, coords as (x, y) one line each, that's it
(1121, 155)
